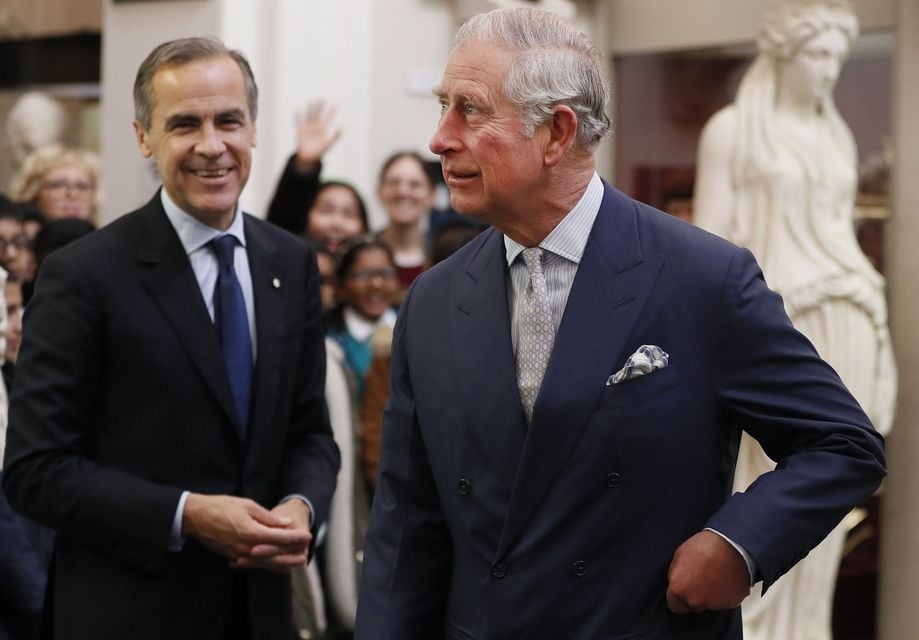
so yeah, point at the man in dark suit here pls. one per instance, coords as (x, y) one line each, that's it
(568, 390)
(168, 418)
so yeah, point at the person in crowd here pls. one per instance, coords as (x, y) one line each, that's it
(777, 174)
(364, 316)
(25, 553)
(57, 234)
(15, 249)
(407, 194)
(14, 308)
(32, 220)
(327, 264)
(568, 390)
(327, 213)
(449, 238)
(168, 418)
(366, 285)
(59, 182)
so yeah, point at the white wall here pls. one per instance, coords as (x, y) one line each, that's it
(636, 26)
(376, 60)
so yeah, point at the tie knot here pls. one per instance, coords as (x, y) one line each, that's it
(224, 246)
(532, 256)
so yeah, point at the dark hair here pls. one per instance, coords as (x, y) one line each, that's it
(183, 51)
(361, 208)
(391, 160)
(450, 237)
(354, 249)
(57, 234)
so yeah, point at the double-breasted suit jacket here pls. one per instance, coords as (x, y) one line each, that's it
(123, 401)
(482, 528)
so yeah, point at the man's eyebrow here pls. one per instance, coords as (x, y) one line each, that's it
(232, 113)
(177, 119)
(438, 91)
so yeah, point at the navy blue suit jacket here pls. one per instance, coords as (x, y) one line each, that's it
(484, 529)
(122, 400)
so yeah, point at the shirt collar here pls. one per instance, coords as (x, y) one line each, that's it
(194, 234)
(569, 237)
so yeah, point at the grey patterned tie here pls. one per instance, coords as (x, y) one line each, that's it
(535, 334)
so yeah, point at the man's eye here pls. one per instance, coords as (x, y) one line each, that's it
(443, 107)
(469, 109)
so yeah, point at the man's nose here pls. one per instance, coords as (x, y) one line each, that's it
(444, 138)
(210, 142)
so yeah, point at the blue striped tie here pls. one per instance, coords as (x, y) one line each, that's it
(232, 324)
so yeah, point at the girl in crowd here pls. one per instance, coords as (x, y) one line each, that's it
(59, 182)
(366, 284)
(407, 194)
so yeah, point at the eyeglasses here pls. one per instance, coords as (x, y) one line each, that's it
(18, 242)
(59, 187)
(364, 276)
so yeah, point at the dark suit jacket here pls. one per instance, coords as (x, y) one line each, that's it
(482, 529)
(122, 400)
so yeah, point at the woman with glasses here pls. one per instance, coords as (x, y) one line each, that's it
(59, 182)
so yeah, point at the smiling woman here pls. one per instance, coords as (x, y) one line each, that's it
(407, 194)
(59, 182)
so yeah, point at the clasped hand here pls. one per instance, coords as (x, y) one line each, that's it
(247, 534)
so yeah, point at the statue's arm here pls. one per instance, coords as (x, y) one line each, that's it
(713, 198)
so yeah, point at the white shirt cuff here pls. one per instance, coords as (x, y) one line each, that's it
(176, 539)
(751, 564)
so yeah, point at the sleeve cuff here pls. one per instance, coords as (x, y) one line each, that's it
(751, 564)
(176, 539)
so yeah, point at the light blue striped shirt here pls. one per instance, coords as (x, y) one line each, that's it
(562, 251)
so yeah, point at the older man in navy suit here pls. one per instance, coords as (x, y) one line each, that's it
(568, 390)
(168, 418)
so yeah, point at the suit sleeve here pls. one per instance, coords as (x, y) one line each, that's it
(48, 474)
(408, 551)
(294, 193)
(771, 382)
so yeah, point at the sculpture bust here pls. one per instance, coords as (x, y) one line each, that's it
(776, 173)
(35, 120)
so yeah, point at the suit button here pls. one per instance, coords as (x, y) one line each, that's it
(614, 480)
(499, 570)
(579, 568)
(464, 487)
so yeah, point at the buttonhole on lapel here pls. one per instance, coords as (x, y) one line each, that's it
(622, 303)
(275, 283)
(460, 307)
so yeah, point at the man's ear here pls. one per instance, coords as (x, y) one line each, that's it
(142, 141)
(563, 131)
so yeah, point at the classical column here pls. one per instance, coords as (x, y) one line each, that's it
(899, 579)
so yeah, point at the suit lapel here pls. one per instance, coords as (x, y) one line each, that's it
(172, 284)
(268, 280)
(484, 357)
(612, 284)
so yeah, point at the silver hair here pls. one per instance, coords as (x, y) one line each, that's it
(180, 52)
(554, 64)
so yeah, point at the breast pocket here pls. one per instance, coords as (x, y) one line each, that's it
(646, 387)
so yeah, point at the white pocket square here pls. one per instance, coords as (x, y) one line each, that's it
(648, 358)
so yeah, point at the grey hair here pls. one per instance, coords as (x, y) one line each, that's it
(791, 23)
(554, 64)
(180, 52)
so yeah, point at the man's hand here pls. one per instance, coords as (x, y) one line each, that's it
(236, 527)
(315, 134)
(706, 573)
(282, 557)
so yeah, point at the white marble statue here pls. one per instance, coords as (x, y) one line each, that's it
(35, 120)
(777, 173)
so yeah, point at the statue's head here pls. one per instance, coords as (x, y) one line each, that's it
(792, 23)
